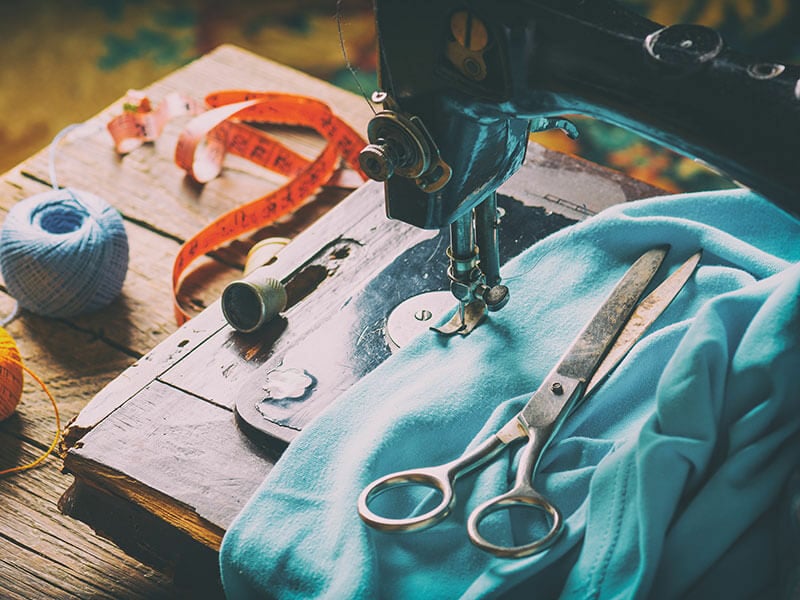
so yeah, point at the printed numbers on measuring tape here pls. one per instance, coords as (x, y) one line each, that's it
(208, 137)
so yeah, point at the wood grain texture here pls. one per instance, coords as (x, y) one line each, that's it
(44, 554)
(178, 457)
(191, 565)
(154, 191)
(172, 446)
(356, 243)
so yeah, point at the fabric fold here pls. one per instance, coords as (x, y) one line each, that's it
(666, 475)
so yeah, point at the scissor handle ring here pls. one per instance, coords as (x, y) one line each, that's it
(527, 497)
(436, 478)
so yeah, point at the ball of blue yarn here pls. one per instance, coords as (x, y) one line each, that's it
(63, 253)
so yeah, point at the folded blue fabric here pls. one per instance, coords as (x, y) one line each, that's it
(668, 476)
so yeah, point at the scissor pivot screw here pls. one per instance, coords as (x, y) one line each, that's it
(557, 388)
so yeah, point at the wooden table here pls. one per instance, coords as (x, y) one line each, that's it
(44, 554)
(160, 465)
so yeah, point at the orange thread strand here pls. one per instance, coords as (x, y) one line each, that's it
(10, 356)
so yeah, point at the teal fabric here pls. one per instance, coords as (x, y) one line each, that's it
(669, 476)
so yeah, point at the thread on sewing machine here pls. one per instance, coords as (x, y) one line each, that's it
(347, 61)
(11, 382)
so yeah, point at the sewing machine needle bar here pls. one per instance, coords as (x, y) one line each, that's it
(486, 236)
(644, 315)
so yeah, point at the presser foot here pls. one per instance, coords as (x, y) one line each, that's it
(414, 316)
(466, 318)
(470, 314)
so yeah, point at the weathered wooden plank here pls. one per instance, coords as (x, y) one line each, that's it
(129, 382)
(154, 190)
(348, 249)
(43, 554)
(217, 367)
(46, 555)
(74, 364)
(169, 445)
(26, 574)
(192, 566)
(118, 457)
(207, 323)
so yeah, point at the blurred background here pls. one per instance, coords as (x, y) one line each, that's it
(63, 61)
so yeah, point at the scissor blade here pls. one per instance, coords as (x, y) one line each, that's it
(644, 315)
(591, 345)
(556, 395)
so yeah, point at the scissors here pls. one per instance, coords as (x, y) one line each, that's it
(604, 341)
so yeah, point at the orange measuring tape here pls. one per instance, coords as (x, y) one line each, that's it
(202, 146)
(140, 122)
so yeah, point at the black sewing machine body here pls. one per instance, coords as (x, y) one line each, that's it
(463, 85)
(480, 75)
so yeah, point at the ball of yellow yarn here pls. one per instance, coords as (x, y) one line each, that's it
(10, 375)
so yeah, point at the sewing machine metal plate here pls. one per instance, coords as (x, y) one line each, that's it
(385, 296)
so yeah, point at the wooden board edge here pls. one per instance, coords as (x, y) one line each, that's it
(133, 379)
(180, 516)
(192, 566)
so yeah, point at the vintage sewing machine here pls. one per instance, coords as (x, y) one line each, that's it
(461, 95)
(464, 83)
(463, 86)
